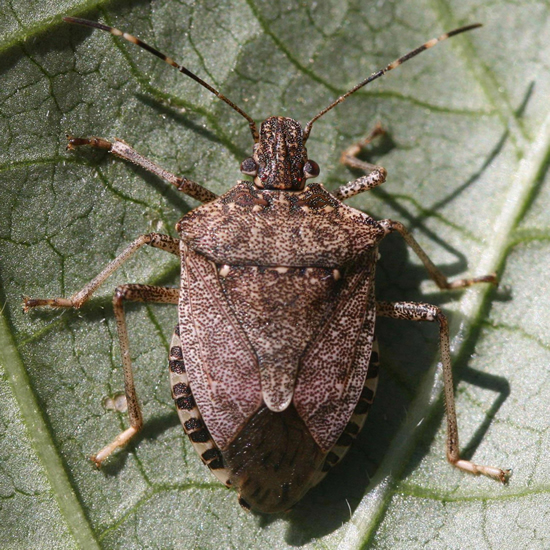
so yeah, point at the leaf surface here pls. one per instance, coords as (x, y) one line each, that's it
(467, 149)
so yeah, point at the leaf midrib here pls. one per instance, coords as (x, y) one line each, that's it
(369, 513)
(44, 25)
(42, 441)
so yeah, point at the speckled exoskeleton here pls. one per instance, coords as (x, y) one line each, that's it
(273, 362)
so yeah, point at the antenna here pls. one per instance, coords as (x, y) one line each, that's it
(170, 61)
(391, 66)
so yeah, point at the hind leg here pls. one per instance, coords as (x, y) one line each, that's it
(134, 293)
(413, 311)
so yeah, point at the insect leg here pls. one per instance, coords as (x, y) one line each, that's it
(415, 311)
(437, 276)
(156, 240)
(134, 293)
(376, 175)
(122, 150)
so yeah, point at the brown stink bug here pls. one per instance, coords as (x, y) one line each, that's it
(274, 362)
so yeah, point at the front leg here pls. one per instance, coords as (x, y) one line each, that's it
(376, 175)
(122, 150)
(413, 311)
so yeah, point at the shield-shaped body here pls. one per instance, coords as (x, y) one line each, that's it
(275, 335)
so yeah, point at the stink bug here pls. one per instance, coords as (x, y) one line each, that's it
(273, 362)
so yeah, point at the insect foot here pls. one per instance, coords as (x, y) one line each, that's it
(274, 361)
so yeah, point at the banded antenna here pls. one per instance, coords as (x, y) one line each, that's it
(170, 61)
(391, 66)
(251, 123)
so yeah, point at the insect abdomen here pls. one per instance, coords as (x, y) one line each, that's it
(273, 460)
(190, 416)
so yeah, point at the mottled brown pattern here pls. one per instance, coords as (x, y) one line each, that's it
(335, 366)
(282, 233)
(280, 310)
(276, 300)
(357, 421)
(276, 311)
(190, 416)
(230, 343)
(280, 155)
(219, 360)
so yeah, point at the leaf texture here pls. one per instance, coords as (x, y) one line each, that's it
(467, 149)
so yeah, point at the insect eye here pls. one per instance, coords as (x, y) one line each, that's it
(311, 169)
(249, 167)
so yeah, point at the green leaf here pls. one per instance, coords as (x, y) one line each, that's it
(467, 151)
